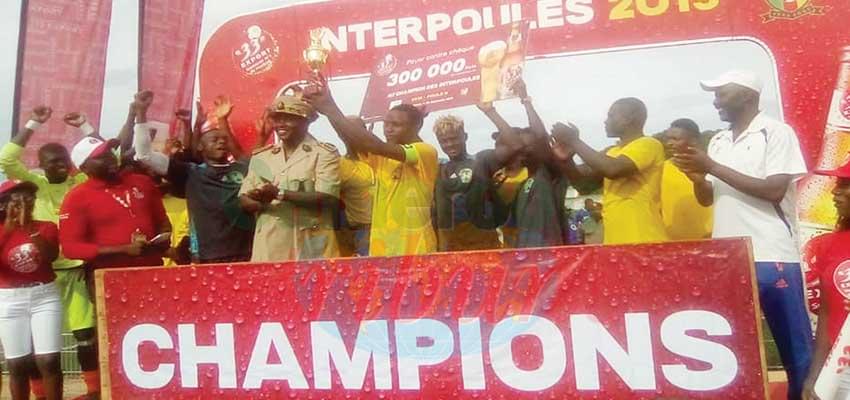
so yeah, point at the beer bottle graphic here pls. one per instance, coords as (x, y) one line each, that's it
(816, 207)
(512, 64)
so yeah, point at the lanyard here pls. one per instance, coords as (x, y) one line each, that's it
(125, 202)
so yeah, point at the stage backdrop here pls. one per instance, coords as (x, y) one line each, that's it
(64, 58)
(581, 56)
(621, 322)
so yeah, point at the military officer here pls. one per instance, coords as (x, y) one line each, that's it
(293, 188)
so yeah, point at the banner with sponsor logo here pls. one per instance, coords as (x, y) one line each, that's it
(481, 67)
(64, 59)
(620, 322)
(581, 56)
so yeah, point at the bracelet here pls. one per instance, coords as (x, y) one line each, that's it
(87, 128)
(33, 125)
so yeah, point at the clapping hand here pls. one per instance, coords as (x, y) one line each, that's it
(265, 194)
(16, 215)
(568, 134)
(693, 162)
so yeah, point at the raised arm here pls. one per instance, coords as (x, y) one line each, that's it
(184, 126)
(535, 123)
(200, 119)
(39, 115)
(125, 136)
(319, 96)
(158, 162)
(10, 155)
(508, 143)
(599, 164)
(263, 130)
(222, 108)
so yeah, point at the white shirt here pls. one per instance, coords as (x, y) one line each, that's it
(767, 147)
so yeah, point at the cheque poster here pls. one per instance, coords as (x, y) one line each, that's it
(612, 322)
(481, 67)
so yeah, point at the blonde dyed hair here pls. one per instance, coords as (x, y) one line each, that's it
(448, 123)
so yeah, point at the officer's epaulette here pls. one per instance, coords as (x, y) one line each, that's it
(329, 147)
(262, 149)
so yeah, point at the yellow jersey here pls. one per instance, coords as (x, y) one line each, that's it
(631, 206)
(684, 217)
(401, 208)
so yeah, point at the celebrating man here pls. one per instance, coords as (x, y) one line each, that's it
(293, 188)
(456, 228)
(115, 219)
(537, 207)
(53, 184)
(223, 231)
(405, 169)
(631, 171)
(748, 175)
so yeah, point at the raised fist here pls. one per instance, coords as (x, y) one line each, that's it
(75, 119)
(143, 100)
(41, 114)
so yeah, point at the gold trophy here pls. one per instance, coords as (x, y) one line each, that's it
(316, 55)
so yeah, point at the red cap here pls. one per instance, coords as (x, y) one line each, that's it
(840, 172)
(13, 184)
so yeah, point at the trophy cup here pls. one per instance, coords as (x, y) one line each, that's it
(316, 55)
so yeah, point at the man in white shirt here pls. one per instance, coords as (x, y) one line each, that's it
(749, 175)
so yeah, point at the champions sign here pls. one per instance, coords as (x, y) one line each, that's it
(622, 322)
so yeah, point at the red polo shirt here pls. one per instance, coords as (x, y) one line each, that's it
(96, 214)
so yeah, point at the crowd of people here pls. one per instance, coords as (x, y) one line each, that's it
(106, 203)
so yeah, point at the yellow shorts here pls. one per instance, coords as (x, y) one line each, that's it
(77, 307)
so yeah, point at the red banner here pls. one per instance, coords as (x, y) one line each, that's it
(64, 63)
(363, 32)
(477, 68)
(622, 322)
(170, 32)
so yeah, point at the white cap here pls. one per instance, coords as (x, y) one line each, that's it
(747, 79)
(89, 147)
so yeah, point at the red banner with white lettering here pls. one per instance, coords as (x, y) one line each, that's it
(170, 32)
(64, 59)
(620, 322)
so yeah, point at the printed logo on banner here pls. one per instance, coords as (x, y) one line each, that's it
(791, 9)
(387, 65)
(841, 278)
(258, 53)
